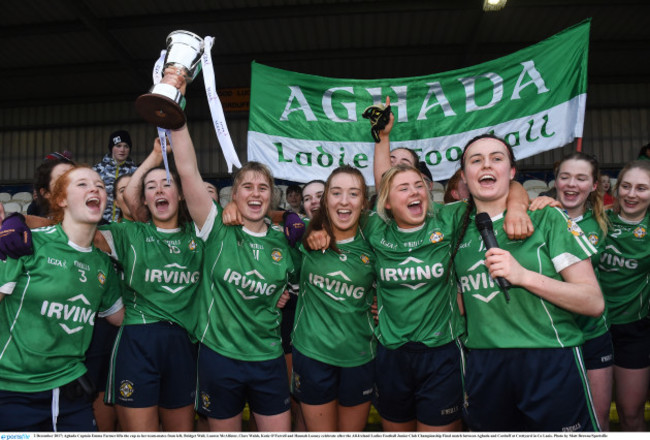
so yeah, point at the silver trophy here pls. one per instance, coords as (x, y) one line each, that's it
(164, 104)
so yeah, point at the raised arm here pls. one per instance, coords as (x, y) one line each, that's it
(196, 195)
(381, 162)
(133, 190)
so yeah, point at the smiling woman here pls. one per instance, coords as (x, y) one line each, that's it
(333, 367)
(43, 380)
(624, 267)
(534, 330)
(247, 267)
(153, 367)
(576, 183)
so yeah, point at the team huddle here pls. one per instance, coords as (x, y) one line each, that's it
(400, 303)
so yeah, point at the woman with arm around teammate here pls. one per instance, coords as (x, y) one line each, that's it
(246, 270)
(333, 340)
(48, 302)
(624, 270)
(524, 368)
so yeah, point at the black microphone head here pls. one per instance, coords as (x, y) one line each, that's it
(483, 221)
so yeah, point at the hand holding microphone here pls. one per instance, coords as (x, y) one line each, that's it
(484, 225)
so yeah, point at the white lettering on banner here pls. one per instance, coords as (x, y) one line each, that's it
(435, 89)
(536, 80)
(309, 159)
(296, 93)
(351, 107)
(470, 92)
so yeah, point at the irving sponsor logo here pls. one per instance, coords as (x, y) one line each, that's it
(73, 315)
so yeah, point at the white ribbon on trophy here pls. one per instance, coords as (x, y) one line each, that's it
(163, 133)
(216, 110)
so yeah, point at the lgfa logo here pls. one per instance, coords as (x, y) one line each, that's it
(101, 277)
(574, 228)
(436, 237)
(639, 232)
(276, 255)
(192, 245)
(593, 239)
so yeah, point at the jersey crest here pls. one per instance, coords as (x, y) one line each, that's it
(574, 228)
(436, 237)
(639, 232)
(276, 255)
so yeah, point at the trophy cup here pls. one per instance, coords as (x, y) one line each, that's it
(164, 104)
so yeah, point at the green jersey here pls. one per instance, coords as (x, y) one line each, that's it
(48, 313)
(415, 291)
(592, 327)
(333, 322)
(624, 269)
(162, 268)
(527, 321)
(245, 275)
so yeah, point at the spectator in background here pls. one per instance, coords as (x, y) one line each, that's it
(115, 163)
(456, 189)
(644, 153)
(605, 188)
(53, 166)
(426, 174)
(294, 198)
(212, 190)
(404, 156)
(311, 195)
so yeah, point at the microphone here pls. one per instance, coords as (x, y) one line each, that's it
(484, 225)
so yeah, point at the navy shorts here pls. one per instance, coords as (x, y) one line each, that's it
(419, 382)
(316, 383)
(98, 355)
(152, 365)
(528, 390)
(49, 410)
(598, 352)
(225, 385)
(631, 344)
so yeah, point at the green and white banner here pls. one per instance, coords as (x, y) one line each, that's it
(304, 126)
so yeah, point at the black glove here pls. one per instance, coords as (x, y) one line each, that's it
(379, 115)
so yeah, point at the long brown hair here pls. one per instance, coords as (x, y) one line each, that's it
(321, 220)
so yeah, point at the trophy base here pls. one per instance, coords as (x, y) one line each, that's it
(160, 110)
